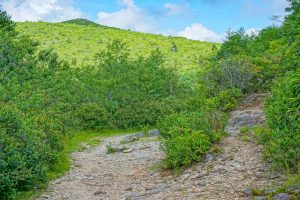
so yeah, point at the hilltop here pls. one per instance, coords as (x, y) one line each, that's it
(81, 21)
(79, 40)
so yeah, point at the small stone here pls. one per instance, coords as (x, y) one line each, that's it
(91, 184)
(195, 176)
(46, 196)
(260, 198)
(129, 188)
(185, 176)
(132, 138)
(150, 188)
(128, 150)
(208, 157)
(231, 157)
(282, 196)
(248, 192)
(259, 175)
(153, 133)
(100, 192)
(202, 183)
(131, 196)
(273, 175)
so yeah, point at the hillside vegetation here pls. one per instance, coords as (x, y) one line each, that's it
(79, 40)
(85, 77)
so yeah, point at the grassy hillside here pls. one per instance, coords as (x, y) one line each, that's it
(84, 22)
(79, 40)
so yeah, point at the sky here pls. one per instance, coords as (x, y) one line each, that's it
(206, 20)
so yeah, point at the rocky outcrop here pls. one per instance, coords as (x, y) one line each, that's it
(249, 114)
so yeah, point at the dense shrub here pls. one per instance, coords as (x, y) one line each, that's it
(93, 116)
(283, 117)
(229, 99)
(185, 148)
(23, 156)
(44, 100)
(53, 100)
(187, 136)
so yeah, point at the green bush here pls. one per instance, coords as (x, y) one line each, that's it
(23, 154)
(187, 136)
(283, 117)
(185, 148)
(210, 121)
(229, 99)
(92, 116)
(44, 101)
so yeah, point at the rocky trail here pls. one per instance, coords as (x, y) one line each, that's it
(131, 173)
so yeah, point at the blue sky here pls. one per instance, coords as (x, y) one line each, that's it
(195, 19)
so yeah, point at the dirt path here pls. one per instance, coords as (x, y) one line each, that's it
(97, 175)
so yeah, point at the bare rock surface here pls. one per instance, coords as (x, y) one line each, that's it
(133, 175)
(249, 114)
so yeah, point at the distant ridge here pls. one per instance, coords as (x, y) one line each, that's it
(81, 21)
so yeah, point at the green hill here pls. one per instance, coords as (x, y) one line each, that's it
(79, 40)
(81, 21)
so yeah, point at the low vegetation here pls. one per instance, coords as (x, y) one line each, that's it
(185, 88)
(79, 40)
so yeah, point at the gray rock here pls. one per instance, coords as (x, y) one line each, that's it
(128, 150)
(150, 188)
(248, 192)
(260, 198)
(46, 196)
(208, 157)
(195, 176)
(244, 118)
(282, 196)
(185, 176)
(273, 175)
(132, 138)
(153, 133)
(116, 149)
(202, 183)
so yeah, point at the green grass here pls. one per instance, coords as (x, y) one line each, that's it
(72, 144)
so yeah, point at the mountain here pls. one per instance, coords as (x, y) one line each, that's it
(79, 40)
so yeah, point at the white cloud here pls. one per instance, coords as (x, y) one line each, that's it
(129, 17)
(46, 10)
(175, 9)
(199, 32)
(252, 31)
